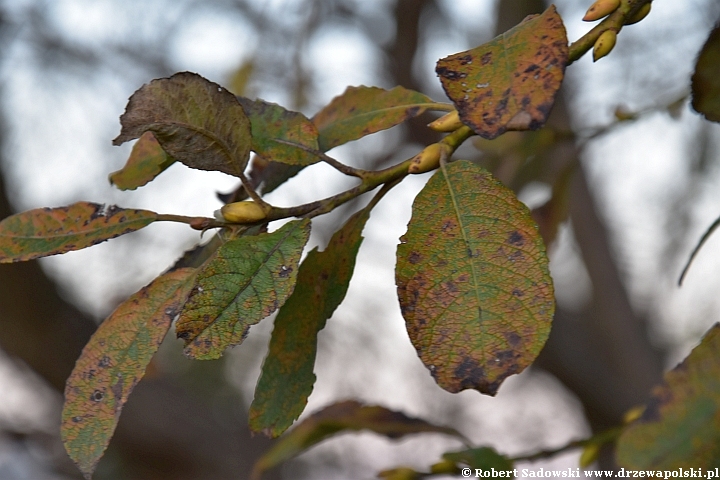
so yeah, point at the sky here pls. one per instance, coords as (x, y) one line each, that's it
(61, 153)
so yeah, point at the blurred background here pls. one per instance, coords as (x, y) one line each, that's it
(622, 205)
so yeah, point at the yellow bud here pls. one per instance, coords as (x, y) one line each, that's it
(633, 414)
(604, 44)
(242, 212)
(447, 123)
(600, 9)
(429, 158)
(589, 454)
(640, 14)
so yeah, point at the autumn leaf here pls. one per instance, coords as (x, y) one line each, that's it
(509, 83)
(473, 280)
(360, 111)
(246, 280)
(196, 121)
(342, 417)
(680, 426)
(276, 131)
(113, 362)
(50, 231)
(287, 377)
(147, 161)
(706, 78)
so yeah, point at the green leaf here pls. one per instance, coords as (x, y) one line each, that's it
(287, 377)
(706, 79)
(147, 161)
(341, 417)
(196, 121)
(274, 129)
(246, 280)
(484, 458)
(276, 173)
(509, 83)
(363, 110)
(113, 362)
(680, 426)
(473, 280)
(50, 231)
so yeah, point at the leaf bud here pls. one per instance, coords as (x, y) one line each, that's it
(640, 14)
(428, 159)
(589, 455)
(242, 212)
(447, 123)
(600, 9)
(604, 44)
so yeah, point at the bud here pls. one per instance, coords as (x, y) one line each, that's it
(447, 123)
(633, 414)
(600, 9)
(242, 212)
(604, 44)
(640, 14)
(428, 159)
(589, 455)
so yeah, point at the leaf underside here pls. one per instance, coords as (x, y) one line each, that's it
(113, 362)
(680, 426)
(473, 280)
(287, 377)
(196, 121)
(246, 280)
(51, 231)
(509, 83)
(147, 161)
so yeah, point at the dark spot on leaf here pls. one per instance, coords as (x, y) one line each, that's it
(104, 362)
(285, 271)
(97, 396)
(183, 335)
(513, 339)
(516, 239)
(447, 73)
(77, 419)
(487, 58)
(531, 68)
(451, 287)
(517, 292)
(413, 111)
(414, 258)
(465, 59)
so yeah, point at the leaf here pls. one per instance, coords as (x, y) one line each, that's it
(247, 279)
(509, 83)
(473, 280)
(196, 121)
(274, 129)
(287, 377)
(50, 231)
(680, 426)
(340, 417)
(705, 81)
(276, 174)
(484, 458)
(113, 362)
(147, 161)
(360, 111)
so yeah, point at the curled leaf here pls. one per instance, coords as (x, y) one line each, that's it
(342, 417)
(706, 78)
(113, 362)
(509, 83)
(196, 121)
(473, 280)
(147, 161)
(50, 231)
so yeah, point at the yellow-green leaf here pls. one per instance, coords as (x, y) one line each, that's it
(483, 458)
(287, 377)
(246, 280)
(113, 362)
(680, 427)
(196, 121)
(509, 83)
(360, 111)
(473, 280)
(706, 79)
(147, 161)
(276, 131)
(50, 231)
(338, 418)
